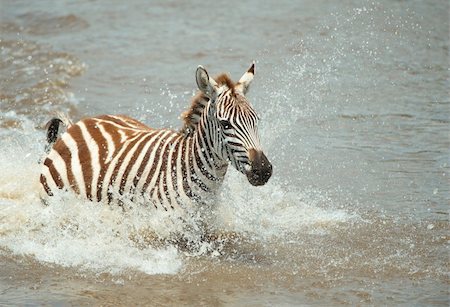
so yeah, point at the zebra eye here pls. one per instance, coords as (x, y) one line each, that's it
(225, 124)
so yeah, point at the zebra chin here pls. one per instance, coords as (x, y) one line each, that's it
(260, 170)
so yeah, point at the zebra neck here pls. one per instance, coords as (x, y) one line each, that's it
(206, 162)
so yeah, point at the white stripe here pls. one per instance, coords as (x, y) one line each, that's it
(169, 169)
(164, 202)
(202, 154)
(203, 164)
(150, 162)
(60, 166)
(123, 136)
(76, 165)
(125, 164)
(186, 201)
(139, 160)
(155, 199)
(111, 148)
(50, 182)
(159, 160)
(197, 174)
(110, 170)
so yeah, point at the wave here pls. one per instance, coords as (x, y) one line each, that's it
(34, 82)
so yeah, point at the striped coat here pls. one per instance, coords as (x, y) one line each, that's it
(112, 158)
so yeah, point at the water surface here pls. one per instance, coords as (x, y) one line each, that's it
(354, 101)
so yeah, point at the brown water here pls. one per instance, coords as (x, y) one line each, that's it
(354, 100)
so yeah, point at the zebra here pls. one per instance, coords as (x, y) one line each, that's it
(105, 157)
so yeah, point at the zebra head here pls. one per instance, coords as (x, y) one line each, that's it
(232, 124)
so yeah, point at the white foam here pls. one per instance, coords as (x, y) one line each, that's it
(81, 234)
(270, 210)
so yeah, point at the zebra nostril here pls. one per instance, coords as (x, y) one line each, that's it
(260, 171)
(260, 168)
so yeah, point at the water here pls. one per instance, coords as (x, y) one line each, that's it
(354, 101)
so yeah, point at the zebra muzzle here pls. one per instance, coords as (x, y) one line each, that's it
(260, 168)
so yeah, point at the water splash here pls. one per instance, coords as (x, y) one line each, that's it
(272, 211)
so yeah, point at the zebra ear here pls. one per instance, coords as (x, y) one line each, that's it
(206, 84)
(244, 82)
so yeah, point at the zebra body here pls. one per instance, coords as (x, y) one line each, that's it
(108, 157)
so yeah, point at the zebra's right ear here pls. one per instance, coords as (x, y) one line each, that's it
(206, 84)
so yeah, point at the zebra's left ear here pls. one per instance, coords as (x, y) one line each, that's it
(244, 82)
(206, 84)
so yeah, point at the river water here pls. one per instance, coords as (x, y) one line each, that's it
(354, 101)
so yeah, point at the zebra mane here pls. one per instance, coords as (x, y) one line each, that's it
(192, 116)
